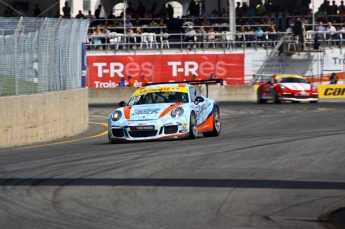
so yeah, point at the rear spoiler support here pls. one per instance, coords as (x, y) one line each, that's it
(193, 82)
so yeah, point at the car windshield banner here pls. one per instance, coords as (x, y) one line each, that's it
(106, 71)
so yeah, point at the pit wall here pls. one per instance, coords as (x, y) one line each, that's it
(29, 119)
(218, 93)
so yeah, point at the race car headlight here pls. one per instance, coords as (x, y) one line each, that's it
(313, 87)
(116, 116)
(177, 112)
(282, 87)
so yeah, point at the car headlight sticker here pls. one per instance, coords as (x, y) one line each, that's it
(282, 87)
(313, 87)
(177, 112)
(116, 116)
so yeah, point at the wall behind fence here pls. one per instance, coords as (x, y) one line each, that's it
(106, 71)
(40, 54)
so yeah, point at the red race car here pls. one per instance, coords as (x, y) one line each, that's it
(286, 87)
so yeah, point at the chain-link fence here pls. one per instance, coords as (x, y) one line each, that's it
(40, 54)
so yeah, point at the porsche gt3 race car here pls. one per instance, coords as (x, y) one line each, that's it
(287, 88)
(165, 111)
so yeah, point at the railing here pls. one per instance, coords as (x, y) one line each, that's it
(227, 41)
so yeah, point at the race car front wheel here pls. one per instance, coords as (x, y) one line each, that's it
(275, 97)
(216, 124)
(259, 97)
(193, 128)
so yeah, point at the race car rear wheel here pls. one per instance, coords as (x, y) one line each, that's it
(216, 124)
(193, 127)
(259, 97)
(275, 97)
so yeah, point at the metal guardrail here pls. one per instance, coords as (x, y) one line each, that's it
(225, 40)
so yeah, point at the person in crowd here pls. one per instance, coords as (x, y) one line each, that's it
(290, 28)
(240, 35)
(57, 14)
(97, 40)
(8, 12)
(299, 31)
(138, 33)
(128, 23)
(153, 8)
(331, 32)
(137, 23)
(224, 13)
(129, 36)
(333, 78)
(129, 8)
(203, 13)
(292, 20)
(250, 31)
(341, 6)
(141, 9)
(18, 12)
(250, 21)
(37, 11)
(205, 22)
(259, 34)
(195, 77)
(190, 36)
(170, 12)
(130, 81)
(122, 82)
(105, 38)
(238, 10)
(260, 10)
(145, 80)
(193, 9)
(272, 32)
(250, 11)
(80, 15)
(202, 36)
(98, 12)
(66, 10)
(163, 11)
(50, 14)
(334, 8)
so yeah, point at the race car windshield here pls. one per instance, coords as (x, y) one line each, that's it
(291, 80)
(158, 97)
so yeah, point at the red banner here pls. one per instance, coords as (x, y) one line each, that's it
(107, 71)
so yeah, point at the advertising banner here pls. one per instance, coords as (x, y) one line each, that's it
(106, 71)
(331, 91)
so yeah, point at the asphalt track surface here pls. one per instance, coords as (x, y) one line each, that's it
(273, 166)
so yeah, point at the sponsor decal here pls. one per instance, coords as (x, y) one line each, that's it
(107, 71)
(145, 127)
(146, 111)
(331, 91)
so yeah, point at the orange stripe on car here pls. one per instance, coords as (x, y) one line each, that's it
(168, 109)
(207, 125)
(127, 112)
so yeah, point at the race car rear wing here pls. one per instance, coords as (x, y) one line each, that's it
(193, 82)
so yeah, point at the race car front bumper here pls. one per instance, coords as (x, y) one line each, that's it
(308, 97)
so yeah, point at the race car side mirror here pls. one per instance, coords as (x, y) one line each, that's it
(122, 104)
(199, 99)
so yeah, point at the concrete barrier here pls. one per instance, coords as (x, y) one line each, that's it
(37, 118)
(110, 95)
(218, 93)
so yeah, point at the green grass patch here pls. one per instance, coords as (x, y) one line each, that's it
(7, 86)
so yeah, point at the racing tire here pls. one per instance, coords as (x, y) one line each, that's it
(216, 124)
(259, 97)
(193, 127)
(275, 97)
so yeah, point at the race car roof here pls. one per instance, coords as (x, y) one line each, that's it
(288, 76)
